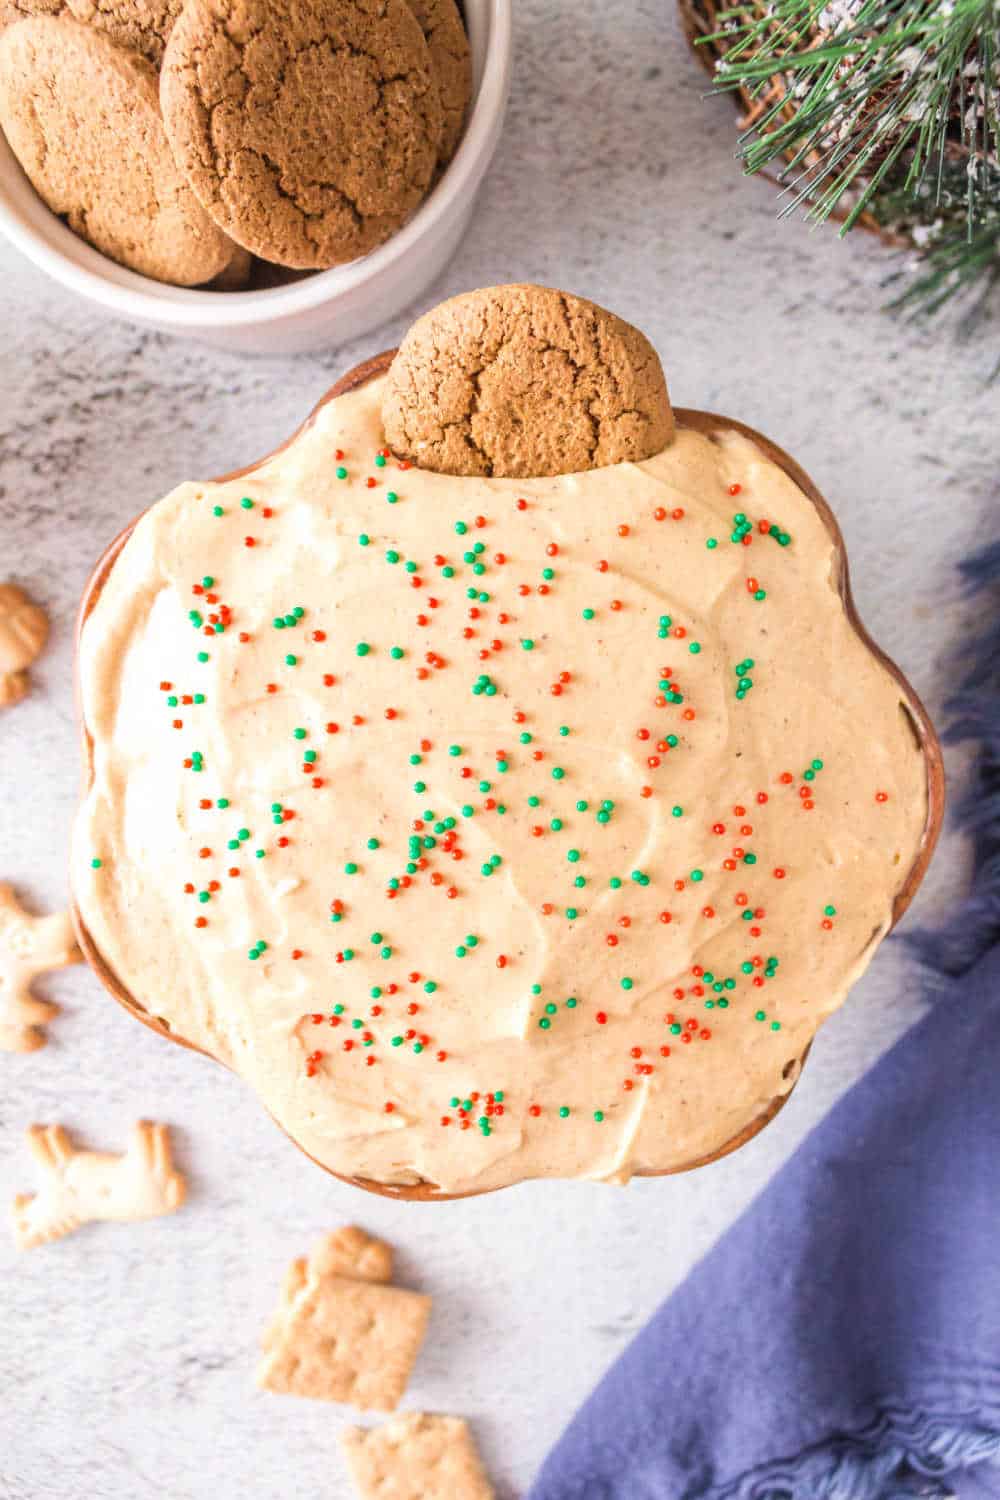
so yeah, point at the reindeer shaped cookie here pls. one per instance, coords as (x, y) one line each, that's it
(79, 1187)
(23, 632)
(28, 947)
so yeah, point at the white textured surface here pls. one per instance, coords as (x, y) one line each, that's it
(126, 1352)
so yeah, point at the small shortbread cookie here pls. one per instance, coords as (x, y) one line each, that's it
(142, 25)
(29, 946)
(81, 1187)
(311, 131)
(343, 1337)
(517, 382)
(441, 23)
(82, 117)
(24, 629)
(415, 1457)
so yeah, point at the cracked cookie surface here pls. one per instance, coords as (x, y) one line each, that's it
(442, 26)
(143, 25)
(309, 129)
(82, 117)
(525, 381)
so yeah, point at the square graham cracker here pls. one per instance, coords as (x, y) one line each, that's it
(347, 1338)
(415, 1457)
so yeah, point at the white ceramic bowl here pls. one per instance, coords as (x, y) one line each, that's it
(320, 311)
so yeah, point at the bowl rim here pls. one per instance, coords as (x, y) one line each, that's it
(89, 273)
(923, 730)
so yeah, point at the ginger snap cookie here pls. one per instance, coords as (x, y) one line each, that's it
(142, 25)
(234, 277)
(82, 117)
(309, 133)
(441, 23)
(519, 381)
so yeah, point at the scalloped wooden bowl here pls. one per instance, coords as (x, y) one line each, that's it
(923, 733)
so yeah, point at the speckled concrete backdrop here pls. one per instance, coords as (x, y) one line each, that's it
(126, 1352)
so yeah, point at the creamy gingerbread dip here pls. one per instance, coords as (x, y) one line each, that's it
(492, 829)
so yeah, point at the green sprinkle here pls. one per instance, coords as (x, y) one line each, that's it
(390, 495)
(563, 1112)
(711, 544)
(350, 868)
(697, 875)
(95, 864)
(588, 614)
(362, 648)
(290, 661)
(217, 510)
(598, 1115)
(627, 984)
(678, 812)
(528, 645)
(558, 773)
(397, 653)
(364, 539)
(461, 528)
(203, 656)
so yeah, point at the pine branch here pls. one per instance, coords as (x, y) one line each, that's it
(957, 267)
(875, 87)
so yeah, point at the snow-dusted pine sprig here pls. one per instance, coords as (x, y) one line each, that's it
(875, 85)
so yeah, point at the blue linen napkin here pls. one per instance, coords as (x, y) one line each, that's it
(842, 1340)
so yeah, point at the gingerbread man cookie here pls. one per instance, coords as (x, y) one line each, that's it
(24, 630)
(29, 946)
(80, 1187)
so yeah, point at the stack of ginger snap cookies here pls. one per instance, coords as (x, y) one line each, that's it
(228, 143)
